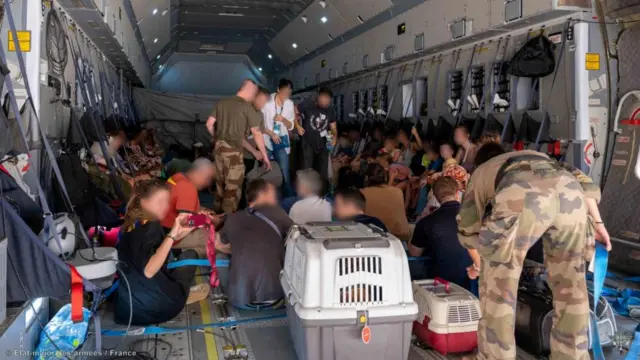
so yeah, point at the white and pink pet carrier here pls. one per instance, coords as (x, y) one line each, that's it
(348, 293)
(448, 316)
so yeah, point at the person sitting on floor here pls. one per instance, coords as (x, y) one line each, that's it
(385, 202)
(311, 207)
(184, 189)
(137, 156)
(151, 293)
(255, 237)
(349, 206)
(436, 237)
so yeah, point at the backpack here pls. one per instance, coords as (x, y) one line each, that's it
(535, 59)
(81, 190)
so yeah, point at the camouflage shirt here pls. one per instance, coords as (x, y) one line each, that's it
(481, 190)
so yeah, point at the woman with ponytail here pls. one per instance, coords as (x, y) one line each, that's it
(154, 293)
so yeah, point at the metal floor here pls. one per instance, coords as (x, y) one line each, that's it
(264, 340)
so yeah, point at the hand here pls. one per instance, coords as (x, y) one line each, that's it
(257, 155)
(275, 138)
(436, 176)
(267, 163)
(210, 122)
(414, 131)
(180, 228)
(279, 118)
(472, 272)
(602, 235)
(300, 130)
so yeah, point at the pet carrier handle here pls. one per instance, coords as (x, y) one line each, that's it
(289, 296)
(447, 285)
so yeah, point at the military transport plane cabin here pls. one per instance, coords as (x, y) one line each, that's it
(320, 180)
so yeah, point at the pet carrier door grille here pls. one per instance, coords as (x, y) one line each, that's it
(359, 281)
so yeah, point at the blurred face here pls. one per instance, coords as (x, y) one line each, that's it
(390, 144)
(431, 155)
(446, 151)
(157, 204)
(343, 209)
(260, 101)
(402, 137)
(268, 196)
(324, 101)
(460, 137)
(284, 93)
(344, 142)
(118, 140)
(202, 178)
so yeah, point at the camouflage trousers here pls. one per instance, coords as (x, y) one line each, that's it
(547, 205)
(229, 177)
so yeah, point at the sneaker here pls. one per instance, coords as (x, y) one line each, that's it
(198, 293)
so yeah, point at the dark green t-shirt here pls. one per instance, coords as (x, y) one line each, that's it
(234, 119)
(247, 154)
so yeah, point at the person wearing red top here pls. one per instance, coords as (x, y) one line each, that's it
(184, 199)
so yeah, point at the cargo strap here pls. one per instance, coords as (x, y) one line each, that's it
(634, 349)
(197, 262)
(600, 260)
(50, 225)
(157, 330)
(76, 295)
(214, 279)
(261, 216)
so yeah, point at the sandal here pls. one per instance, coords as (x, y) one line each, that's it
(198, 293)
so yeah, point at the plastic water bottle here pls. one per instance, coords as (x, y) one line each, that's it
(330, 142)
(276, 127)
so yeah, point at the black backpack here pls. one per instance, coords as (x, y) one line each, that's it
(81, 190)
(535, 59)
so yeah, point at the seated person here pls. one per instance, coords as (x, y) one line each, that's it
(255, 237)
(489, 137)
(152, 293)
(137, 156)
(311, 207)
(385, 202)
(349, 206)
(454, 171)
(151, 144)
(184, 189)
(114, 142)
(436, 236)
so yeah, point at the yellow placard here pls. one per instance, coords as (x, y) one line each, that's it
(591, 65)
(24, 41)
(592, 57)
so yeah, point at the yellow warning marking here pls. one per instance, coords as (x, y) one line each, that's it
(24, 41)
(482, 49)
(363, 319)
(534, 33)
(592, 61)
(209, 338)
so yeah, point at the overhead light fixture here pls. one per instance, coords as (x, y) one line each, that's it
(165, 12)
(304, 19)
(295, 46)
(323, 19)
(155, 40)
(161, 66)
(158, 57)
(259, 69)
(330, 37)
(155, 11)
(323, 4)
(360, 19)
(269, 56)
(230, 14)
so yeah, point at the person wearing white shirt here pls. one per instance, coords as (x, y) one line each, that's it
(311, 207)
(279, 115)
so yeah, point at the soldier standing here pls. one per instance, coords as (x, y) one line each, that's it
(513, 200)
(230, 122)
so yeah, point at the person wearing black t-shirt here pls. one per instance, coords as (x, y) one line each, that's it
(316, 127)
(349, 206)
(151, 293)
(436, 237)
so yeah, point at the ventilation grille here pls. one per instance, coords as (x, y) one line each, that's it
(462, 314)
(365, 61)
(359, 281)
(345, 68)
(387, 55)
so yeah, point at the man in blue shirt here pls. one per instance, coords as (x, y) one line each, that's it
(436, 237)
(349, 206)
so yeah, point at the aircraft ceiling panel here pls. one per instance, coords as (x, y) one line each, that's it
(317, 25)
(154, 22)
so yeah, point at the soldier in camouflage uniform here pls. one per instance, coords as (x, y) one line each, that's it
(230, 122)
(512, 201)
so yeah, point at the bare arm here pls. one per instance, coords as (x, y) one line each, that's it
(415, 251)
(247, 146)
(210, 125)
(259, 139)
(157, 260)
